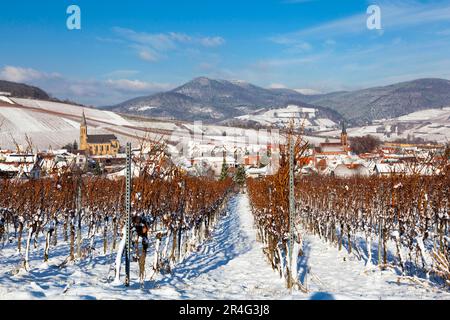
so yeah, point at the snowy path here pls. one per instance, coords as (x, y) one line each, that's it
(232, 266)
(229, 265)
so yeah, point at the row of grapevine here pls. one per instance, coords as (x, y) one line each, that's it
(403, 221)
(175, 211)
(269, 198)
(405, 218)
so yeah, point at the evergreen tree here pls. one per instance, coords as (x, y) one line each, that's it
(75, 145)
(97, 169)
(68, 147)
(240, 176)
(224, 172)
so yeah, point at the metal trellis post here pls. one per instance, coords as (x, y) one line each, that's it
(291, 207)
(380, 231)
(78, 207)
(181, 222)
(128, 213)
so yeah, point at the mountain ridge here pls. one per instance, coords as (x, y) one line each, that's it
(22, 90)
(213, 100)
(216, 100)
(385, 102)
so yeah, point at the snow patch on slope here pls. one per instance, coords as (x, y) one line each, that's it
(6, 99)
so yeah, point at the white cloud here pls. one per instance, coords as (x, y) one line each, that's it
(294, 45)
(109, 91)
(329, 42)
(103, 92)
(307, 91)
(121, 73)
(151, 46)
(286, 62)
(127, 85)
(148, 55)
(181, 37)
(167, 41)
(158, 41)
(343, 52)
(393, 15)
(444, 32)
(277, 86)
(212, 41)
(79, 89)
(19, 74)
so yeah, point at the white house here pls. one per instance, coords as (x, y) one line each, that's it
(214, 163)
(344, 171)
(20, 166)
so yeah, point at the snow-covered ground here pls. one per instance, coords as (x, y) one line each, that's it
(54, 124)
(431, 124)
(334, 273)
(6, 99)
(282, 117)
(230, 265)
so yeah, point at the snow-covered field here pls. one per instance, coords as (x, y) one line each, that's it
(230, 265)
(54, 124)
(50, 124)
(282, 117)
(432, 125)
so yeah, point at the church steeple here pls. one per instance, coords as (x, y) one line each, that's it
(83, 133)
(83, 120)
(344, 137)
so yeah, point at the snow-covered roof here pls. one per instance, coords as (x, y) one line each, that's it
(20, 158)
(343, 171)
(408, 169)
(228, 159)
(135, 171)
(257, 171)
(17, 168)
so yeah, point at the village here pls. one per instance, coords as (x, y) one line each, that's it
(102, 154)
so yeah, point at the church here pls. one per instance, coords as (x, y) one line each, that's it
(335, 148)
(97, 144)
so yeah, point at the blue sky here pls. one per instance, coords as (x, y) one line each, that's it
(132, 48)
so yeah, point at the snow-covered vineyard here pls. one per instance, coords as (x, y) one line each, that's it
(229, 265)
(225, 158)
(216, 243)
(227, 236)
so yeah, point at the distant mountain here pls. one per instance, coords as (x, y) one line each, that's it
(220, 100)
(386, 102)
(21, 90)
(214, 101)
